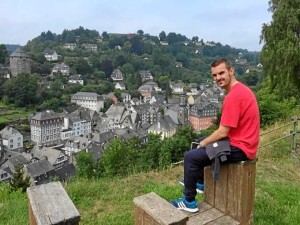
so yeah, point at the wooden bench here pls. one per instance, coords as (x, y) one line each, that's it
(229, 201)
(234, 193)
(151, 209)
(50, 204)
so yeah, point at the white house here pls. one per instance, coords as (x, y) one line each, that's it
(76, 123)
(76, 79)
(63, 68)
(88, 100)
(90, 47)
(116, 75)
(12, 139)
(45, 128)
(70, 46)
(120, 86)
(177, 88)
(50, 55)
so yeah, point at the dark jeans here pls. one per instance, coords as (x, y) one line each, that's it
(194, 162)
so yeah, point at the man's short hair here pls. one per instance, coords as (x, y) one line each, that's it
(220, 61)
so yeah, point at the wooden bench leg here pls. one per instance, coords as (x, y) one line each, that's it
(234, 193)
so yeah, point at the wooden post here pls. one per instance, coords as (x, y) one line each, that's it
(151, 209)
(234, 193)
(50, 204)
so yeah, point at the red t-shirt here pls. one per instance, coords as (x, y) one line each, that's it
(240, 112)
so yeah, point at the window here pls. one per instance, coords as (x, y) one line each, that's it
(4, 175)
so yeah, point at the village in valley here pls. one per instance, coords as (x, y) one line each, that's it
(85, 125)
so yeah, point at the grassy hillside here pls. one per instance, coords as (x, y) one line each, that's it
(110, 201)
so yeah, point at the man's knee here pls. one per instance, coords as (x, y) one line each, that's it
(187, 155)
(190, 155)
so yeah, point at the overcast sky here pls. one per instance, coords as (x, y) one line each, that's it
(236, 23)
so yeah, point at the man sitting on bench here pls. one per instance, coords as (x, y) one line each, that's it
(240, 123)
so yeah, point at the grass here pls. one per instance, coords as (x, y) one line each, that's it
(110, 201)
(9, 114)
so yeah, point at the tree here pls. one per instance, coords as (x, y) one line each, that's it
(251, 79)
(105, 35)
(3, 54)
(195, 39)
(162, 36)
(107, 103)
(281, 51)
(140, 32)
(19, 181)
(85, 164)
(21, 90)
(150, 156)
(107, 66)
(115, 152)
(136, 45)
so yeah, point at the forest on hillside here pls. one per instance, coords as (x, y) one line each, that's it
(169, 57)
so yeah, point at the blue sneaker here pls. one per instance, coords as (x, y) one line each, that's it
(183, 204)
(199, 187)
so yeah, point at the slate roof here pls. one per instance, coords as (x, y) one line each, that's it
(117, 75)
(50, 154)
(84, 95)
(173, 114)
(159, 98)
(19, 52)
(61, 66)
(145, 74)
(39, 168)
(164, 124)
(115, 111)
(102, 137)
(146, 88)
(80, 115)
(48, 51)
(66, 172)
(18, 160)
(71, 108)
(7, 131)
(75, 77)
(126, 133)
(45, 115)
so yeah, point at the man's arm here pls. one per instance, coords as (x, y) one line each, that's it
(220, 133)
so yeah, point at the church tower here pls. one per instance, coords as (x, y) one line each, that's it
(183, 110)
(19, 62)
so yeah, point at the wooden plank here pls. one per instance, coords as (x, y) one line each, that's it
(234, 193)
(221, 189)
(241, 186)
(224, 220)
(202, 206)
(205, 217)
(209, 190)
(156, 210)
(50, 204)
(246, 216)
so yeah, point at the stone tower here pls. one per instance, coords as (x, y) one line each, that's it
(183, 110)
(19, 62)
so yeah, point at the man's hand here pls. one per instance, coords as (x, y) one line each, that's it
(200, 145)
